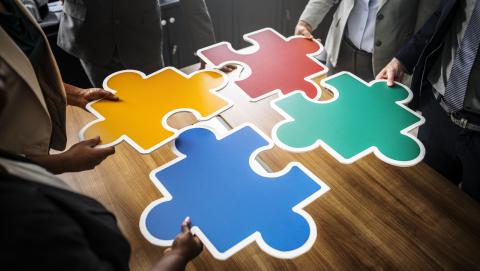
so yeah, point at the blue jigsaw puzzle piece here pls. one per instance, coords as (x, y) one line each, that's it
(225, 198)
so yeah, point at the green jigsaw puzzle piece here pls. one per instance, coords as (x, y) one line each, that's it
(360, 119)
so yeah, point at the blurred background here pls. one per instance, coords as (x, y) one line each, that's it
(231, 19)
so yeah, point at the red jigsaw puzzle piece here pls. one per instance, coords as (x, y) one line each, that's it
(277, 64)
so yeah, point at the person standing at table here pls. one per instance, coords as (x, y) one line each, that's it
(444, 57)
(112, 35)
(364, 34)
(46, 225)
(34, 117)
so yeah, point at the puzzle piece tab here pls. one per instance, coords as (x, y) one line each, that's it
(277, 64)
(360, 119)
(146, 102)
(229, 203)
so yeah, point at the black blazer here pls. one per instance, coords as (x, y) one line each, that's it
(421, 51)
(46, 228)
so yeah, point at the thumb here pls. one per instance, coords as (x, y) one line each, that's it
(390, 78)
(380, 75)
(186, 225)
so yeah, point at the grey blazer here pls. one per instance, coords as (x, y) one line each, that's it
(397, 21)
(92, 29)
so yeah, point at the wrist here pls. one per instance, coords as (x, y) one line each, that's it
(55, 163)
(171, 261)
(306, 25)
(180, 255)
(72, 93)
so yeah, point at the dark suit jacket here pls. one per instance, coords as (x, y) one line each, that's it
(46, 228)
(421, 51)
(93, 29)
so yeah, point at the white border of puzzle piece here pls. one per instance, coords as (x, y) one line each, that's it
(164, 122)
(257, 237)
(373, 149)
(255, 47)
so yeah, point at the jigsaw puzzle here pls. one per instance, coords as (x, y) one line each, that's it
(278, 64)
(360, 119)
(230, 199)
(146, 102)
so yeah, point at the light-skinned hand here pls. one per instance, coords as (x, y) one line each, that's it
(394, 71)
(304, 29)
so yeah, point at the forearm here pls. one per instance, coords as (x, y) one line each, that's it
(55, 163)
(70, 91)
(171, 262)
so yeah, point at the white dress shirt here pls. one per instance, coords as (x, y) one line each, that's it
(361, 24)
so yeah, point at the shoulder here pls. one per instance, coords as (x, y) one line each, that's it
(36, 227)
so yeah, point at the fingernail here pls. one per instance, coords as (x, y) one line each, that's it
(187, 219)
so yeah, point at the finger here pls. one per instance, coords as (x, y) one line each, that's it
(203, 64)
(307, 34)
(105, 152)
(92, 142)
(166, 251)
(380, 75)
(231, 67)
(98, 93)
(390, 78)
(94, 94)
(186, 225)
(110, 96)
(226, 69)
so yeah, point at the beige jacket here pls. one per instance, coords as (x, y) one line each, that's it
(397, 21)
(33, 120)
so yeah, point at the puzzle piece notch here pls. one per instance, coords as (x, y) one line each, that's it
(277, 64)
(146, 102)
(359, 119)
(230, 204)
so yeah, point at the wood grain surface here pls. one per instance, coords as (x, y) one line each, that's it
(375, 217)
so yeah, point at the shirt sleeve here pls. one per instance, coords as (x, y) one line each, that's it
(316, 10)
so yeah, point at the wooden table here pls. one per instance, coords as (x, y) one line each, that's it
(376, 216)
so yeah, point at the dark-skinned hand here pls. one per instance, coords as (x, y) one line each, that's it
(80, 97)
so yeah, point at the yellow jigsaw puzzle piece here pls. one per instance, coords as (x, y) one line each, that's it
(146, 102)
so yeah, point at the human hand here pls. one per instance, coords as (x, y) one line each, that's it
(84, 156)
(81, 97)
(81, 156)
(226, 69)
(394, 71)
(186, 245)
(304, 29)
